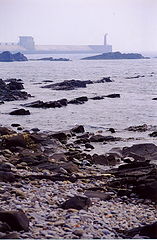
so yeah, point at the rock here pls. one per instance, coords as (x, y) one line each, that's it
(100, 138)
(147, 151)
(17, 220)
(112, 130)
(15, 125)
(12, 91)
(7, 177)
(15, 141)
(79, 100)
(115, 55)
(61, 136)
(68, 85)
(141, 128)
(4, 227)
(114, 95)
(154, 98)
(97, 98)
(9, 57)
(5, 131)
(104, 79)
(147, 190)
(88, 145)
(77, 202)
(5, 167)
(78, 232)
(137, 76)
(52, 59)
(153, 134)
(21, 111)
(14, 84)
(104, 159)
(50, 104)
(149, 230)
(78, 129)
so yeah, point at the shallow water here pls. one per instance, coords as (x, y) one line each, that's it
(135, 107)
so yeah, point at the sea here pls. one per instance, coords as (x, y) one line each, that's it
(134, 107)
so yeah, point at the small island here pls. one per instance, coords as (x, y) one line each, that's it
(115, 55)
(10, 57)
(52, 59)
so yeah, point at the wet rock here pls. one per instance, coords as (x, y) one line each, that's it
(112, 130)
(78, 129)
(15, 125)
(68, 85)
(147, 190)
(79, 100)
(4, 227)
(11, 236)
(149, 230)
(100, 138)
(7, 177)
(50, 104)
(61, 136)
(108, 160)
(5, 131)
(114, 95)
(154, 98)
(17, 220)
(12, 91)
(77, 202)
(137, 76)
(97, 98)
(140, 128)
(5, 167)
(146, 150)
(15, 141)
(104, 79)
(88, 145)
(153, 134)
(21, 111)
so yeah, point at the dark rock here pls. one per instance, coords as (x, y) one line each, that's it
(68, 85)
(52, 59)
(78, 129)
(108, 160)
(112, 130)
(77, 202)
(147, 190)
(153, 134)
(15, 141)
(88, 145)
(149, 230)
(100, 138)
(61, 136)
(154, 98)
(4, 227)
(9, 57)
(137, 76)
(7, 177)
(97, 98)
(21, 111)
(104, 79)
(5, 131)
(114, 95)
(146, 150)
(50, 104)
(141, 128)
(79, 100)
(5, 167)
(17, 220)
(35, 129)
(15, 125)
(14, 84)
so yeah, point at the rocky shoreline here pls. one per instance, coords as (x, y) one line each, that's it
(53, 186)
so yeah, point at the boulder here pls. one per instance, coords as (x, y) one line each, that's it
(79, 100)
(153, 134)
(114, 95)
(78, 129)
(61, 136)
(17, 220)
(147, 190)
(140, 128)
(21, 111)
(9, 57)
(149, 230)
(146, 150)
(77, 202)
(15, 141)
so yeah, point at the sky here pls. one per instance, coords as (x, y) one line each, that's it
(131, 24)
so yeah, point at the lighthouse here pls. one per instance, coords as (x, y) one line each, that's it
(105, 39)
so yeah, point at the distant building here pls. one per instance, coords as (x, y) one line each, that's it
(26, 44)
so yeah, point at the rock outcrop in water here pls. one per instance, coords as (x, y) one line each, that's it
(52, 59)
(9, 57)
(12, 91)
(74, 84)
(115, 55)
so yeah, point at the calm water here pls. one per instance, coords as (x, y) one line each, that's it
(133, 108)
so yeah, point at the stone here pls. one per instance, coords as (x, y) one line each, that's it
(114, 95)
(61, 136)
(21, 111)
(15, 141)
(17, 220)
(78, 129)
(140, 128)
(7, 176)
(153, 134)
(77, 202)
(9, 57)
(147, 190)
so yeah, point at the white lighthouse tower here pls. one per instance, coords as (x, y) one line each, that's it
(105, 39)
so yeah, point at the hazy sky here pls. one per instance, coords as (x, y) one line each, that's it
(131, 24)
